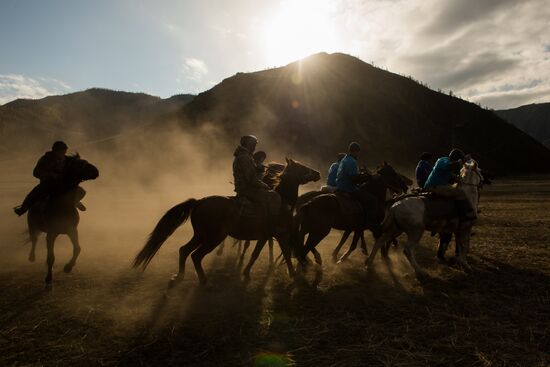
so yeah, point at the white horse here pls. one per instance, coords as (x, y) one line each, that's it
(410, 216)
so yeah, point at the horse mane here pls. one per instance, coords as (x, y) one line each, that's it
(273, 174)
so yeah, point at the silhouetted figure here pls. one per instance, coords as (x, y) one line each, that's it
(348, 179)
(246, 180)
(259, 159)
(332, 173)
(424, 168)
(440, 181)
(48, 170)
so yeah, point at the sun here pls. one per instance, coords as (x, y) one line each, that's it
(299, 28)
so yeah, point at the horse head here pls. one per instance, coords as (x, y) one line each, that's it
(77, 169)
(392, 180)
(470, 173)
(300, 172)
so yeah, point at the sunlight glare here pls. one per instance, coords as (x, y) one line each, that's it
(298, 29)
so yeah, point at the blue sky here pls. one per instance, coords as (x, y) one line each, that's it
(495, 52)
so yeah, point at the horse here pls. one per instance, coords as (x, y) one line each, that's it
(445, 238)
(58, 214)
(322, 213)
(404, 183)
(410, 216)
(213, 218)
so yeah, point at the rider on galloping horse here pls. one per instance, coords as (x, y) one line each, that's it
(441, 179)
(348, 179)
(48, 170)
(247, 181)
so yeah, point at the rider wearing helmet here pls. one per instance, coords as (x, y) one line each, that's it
(442, 177)
(348, 179)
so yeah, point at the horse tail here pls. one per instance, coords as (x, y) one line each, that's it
(166, 226)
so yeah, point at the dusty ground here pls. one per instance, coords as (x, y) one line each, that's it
(104, 313)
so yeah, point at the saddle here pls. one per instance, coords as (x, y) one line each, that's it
(348, 205)
(250, 210)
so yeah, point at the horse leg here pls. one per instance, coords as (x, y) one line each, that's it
(245, 249)
(255, 254)
(73, 236)
(34, 238)
(352, 247)
(462, 246)
(364, 243)
(312, 241)
(200, 253)
(412, 240)
(50, 240)
(444, 240)
(380, 241)
(286, 253)
(339, 246)
(270, 243)
(184, 252)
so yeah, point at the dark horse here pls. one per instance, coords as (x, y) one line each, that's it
(215, 217)
(322, 213)
(58, 214)
(303, 199)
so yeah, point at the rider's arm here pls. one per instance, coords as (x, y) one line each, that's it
(44, 169)
(251, 175)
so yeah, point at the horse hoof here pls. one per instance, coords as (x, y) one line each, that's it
(174, 280)
(246, 276)
(67, 268)
(32, 258)
(48, 280)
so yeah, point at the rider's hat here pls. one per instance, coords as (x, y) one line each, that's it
(456, 154)
(247, 139)
(59, 145)
(354, 147)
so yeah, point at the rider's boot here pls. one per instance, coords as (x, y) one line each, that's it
(20, 210)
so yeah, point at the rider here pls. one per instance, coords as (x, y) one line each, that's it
(48, 170)
(259, 159)
(333, 172)
(424, 168)
(245, 177)
(442, 177)
(348, 179)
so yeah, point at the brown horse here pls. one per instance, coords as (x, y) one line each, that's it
(322, 213)
(58, 214)
(215, 217)
(404, 183)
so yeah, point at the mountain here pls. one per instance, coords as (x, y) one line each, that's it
(314, 107)
(82, 117)
(534, 119)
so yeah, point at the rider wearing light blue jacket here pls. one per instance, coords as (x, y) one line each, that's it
(348, 179)
(441, 179)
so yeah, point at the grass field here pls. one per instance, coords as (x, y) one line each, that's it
(106, 314)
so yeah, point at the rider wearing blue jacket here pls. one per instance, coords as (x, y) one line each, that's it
(348, 179)
(441, 179)
(333, 171)
(423, 169)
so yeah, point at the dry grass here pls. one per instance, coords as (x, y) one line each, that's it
(106, 314)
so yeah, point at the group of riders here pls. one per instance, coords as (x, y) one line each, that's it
(344, 176)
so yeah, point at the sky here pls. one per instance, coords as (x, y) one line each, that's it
(493, 52)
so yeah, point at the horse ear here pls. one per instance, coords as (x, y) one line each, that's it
(77, 155)
(287, 160)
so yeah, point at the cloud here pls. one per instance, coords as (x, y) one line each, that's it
(493, 52)
(14, 86)
(194, 69)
